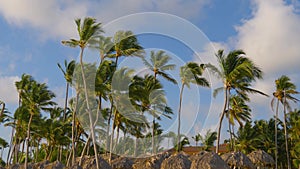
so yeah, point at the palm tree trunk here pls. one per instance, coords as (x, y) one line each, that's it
(11, 155)
(73, 131)
(108, 125)
(66, 101)
(84, 149)
(88, 107)
(152, 133)
(276, 144)
(112, 137)
(230, 133)
(221, 119)
(285, 133)
(117, 58)
(27, 141)
(234, 137)
(135, 146)
(22, 151)
(179, 118)
(117, 139)
(10, 145)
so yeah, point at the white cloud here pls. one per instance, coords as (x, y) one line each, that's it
(271, 36)
(53, 19)
(8, 92)
(50, 18)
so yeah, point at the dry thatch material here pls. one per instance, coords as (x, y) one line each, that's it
(150, 162)
(261, 159)
(238, 160)
(90, 163)
(122, 163)
(208, 160)
(54, 165)
(178, 161)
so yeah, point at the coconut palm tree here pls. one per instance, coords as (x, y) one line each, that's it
(120, 94)
(293, 123)
(147, 96)
(196, 138)
(104, 45)
(208, 139)
(3, 145)
(239, 111)
(35, 97)
(126, 44)
(285, 90)
(159, 63)
(87, 30)
(236, 72)
(190, 74)
(68, 74)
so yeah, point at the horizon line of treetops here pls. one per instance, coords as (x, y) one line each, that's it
(83, 126)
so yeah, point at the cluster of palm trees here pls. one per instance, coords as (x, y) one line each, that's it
(113, 99)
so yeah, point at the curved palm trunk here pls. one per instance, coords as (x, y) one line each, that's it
(66, 101)
(10, 146)
(73, 130)
(108, 125)
(179, 118)
(152, 133)
(229, 124)
(230, 133)
(276, 144)
(88, 107)
(27, 141)
(153, 127)
(221, 119)
(112, 136)
(286, 134)
(84, 149)
(117, 139)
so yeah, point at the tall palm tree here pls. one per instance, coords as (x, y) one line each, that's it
(159, 64)
(120, 93)
(147, 96)
(125, 43)
(293, 121)
(236, 72)
(35, 97)
(285, 90)
(87, 30)
(239, 111)
(191, 73)
(68, 75)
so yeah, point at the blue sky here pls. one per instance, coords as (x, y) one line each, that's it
(268, 31)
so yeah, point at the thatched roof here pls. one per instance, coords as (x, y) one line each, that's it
(122, 163)
(153, 162)
(90, 163)
(178, 161)
(261, 158)
(208, 160)
(54, 165)
(238, 159)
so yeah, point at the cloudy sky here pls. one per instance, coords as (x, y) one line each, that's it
(268, 31)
